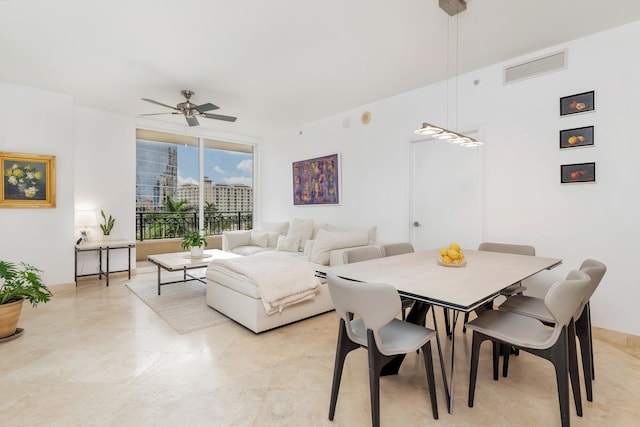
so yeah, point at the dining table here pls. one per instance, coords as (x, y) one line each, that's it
(459, 288)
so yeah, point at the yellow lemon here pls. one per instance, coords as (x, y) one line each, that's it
(454, 246)
(446, 260)
(453, 254)
(461, 255)
(443, 252)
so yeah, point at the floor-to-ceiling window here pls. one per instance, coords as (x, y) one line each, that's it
(169, 188)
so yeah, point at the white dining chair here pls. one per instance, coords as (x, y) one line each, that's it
(367, 253)
(514, 289)
(534, 337)
(535, 307)
(392, 249)
(368, 319)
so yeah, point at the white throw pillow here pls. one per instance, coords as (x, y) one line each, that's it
(308, 248)
(236, 238)
(370, 230)
(259, 238)
(280, 227)
(327, 241)
(273, 238)
(302, 228)
(288, 243)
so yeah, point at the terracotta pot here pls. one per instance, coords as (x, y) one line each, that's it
(9, 316)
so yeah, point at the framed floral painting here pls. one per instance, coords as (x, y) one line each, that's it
(28, 181)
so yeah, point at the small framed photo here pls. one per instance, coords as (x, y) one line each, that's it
(578, 172)
(83, 236)
(579, 103)
(578, 137)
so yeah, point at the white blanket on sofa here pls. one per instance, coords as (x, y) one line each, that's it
(282, 280)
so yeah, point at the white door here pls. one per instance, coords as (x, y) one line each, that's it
(446, 194)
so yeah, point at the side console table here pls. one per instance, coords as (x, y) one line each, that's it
(100, 246)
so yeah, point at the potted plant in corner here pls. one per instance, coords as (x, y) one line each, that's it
(195, 242)
(17, 283)
(108, 224)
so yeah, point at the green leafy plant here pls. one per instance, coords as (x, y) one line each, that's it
(22, 281)
(193, 239)
(108, 223)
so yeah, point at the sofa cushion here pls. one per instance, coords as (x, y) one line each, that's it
(370, 230)
(302, 228)
(326, 241)
(273, 238)
(308, 248)
(288, 243)
(280, 227)
(233, 239)
(249, 250)
(259, 238)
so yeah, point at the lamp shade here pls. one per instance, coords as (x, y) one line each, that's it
(86, 218)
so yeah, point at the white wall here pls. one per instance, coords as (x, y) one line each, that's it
(40, 122)
(105, 179)
(523, 199)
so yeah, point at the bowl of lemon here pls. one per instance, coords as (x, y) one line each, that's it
(452, 256)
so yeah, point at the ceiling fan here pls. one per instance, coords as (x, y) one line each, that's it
(191, 110)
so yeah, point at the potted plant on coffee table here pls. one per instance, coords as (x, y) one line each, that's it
(17, 283)
(195, 242)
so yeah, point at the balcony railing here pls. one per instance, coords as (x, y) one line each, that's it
(165, 225)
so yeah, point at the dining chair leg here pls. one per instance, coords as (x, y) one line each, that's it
(506, 352)
(587, 309)
(376, 361)
(428, 366)
(447, 325)
(496, 358)
(573, 366)
(582, 332)
(344, 347)
(473, 371)
(558, 354)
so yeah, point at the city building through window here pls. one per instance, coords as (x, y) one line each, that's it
(168, 182)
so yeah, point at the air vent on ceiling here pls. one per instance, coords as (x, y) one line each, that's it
(535, 67)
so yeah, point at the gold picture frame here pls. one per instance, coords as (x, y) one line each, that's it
(28, 180)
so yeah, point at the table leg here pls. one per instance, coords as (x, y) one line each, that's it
(75, 266)
(158, 279)
(442, 368)
(106, 273)
(100, 263)
(129, 269)
(454, 320)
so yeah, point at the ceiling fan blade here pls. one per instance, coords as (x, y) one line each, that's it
(206, 107)
(154, 114)
(192, 120)
(159, 103)
(219, 117)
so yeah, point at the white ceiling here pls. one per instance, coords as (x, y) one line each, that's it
(274, 64)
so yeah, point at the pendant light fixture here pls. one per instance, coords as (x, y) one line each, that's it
(452, 7)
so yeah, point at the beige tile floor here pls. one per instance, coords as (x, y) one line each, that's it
(97, 356)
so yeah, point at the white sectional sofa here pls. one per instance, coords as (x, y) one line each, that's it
(320, 245)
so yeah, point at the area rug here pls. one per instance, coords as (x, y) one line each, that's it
(182, 305)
